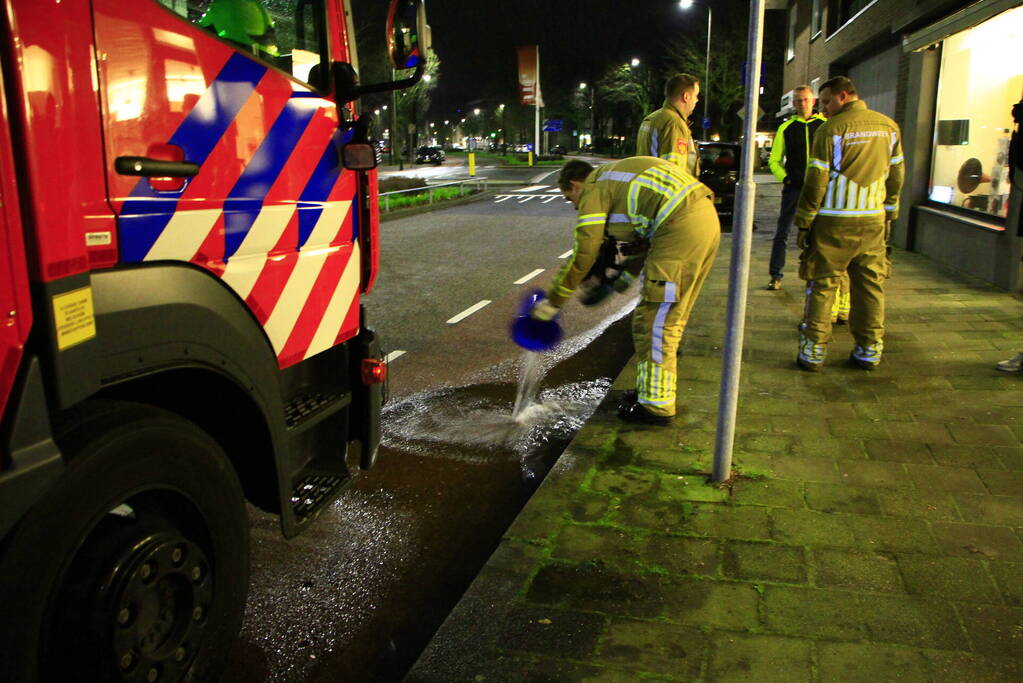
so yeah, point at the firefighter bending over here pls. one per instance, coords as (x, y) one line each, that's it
(643, 200)
(849, 199)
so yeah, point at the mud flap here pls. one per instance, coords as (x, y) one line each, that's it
(367, 401)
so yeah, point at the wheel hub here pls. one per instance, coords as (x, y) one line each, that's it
(158, 600)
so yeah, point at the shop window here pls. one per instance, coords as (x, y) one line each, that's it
(841, 12)
(287, 34)
(977, 86)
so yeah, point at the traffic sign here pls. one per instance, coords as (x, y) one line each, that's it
(553, 125)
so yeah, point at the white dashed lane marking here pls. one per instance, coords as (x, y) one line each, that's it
(394, 355)
(531, 188)
(467, 312)
(526, 278)
(566, 254)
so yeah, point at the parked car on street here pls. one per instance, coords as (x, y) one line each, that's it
(556, 149)
(430, 155)
(719, 170)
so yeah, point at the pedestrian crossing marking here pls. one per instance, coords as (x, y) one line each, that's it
(523, 198)
(531, 188)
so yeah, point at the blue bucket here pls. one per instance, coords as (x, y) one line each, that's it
(532, 334)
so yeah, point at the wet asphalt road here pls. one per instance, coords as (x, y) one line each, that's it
(357, 596)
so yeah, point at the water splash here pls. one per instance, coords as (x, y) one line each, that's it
(483, 415)
(530, 374)
(442, 422)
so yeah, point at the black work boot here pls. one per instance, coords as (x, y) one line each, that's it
(630, 410)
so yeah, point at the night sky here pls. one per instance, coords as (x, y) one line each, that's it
(476, 40)
(578, 38)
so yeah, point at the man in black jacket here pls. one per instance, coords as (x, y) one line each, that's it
(789, 157)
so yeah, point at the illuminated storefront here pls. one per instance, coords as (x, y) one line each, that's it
(979, 80)
(964, 78)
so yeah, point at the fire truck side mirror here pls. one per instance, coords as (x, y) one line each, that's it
(408, 34)
(408, 40)
(359, 156)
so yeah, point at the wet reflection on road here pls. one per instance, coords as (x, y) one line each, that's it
(481, 416)
(358, 595)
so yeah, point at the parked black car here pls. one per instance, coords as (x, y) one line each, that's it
(719, 170)
(430, 155)
(556, 149)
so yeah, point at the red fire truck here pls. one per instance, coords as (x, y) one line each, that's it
(188, 219)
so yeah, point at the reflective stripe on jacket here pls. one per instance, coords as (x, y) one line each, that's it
(856, 168)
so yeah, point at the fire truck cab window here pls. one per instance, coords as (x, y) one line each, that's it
(287, 34)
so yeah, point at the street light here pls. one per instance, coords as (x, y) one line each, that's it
(686, 4)
(634, 63)
(476, 112)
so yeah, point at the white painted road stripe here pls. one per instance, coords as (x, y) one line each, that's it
(393, 355)
(566, 254)
(539, 178)
(526, 198)
(527, 278)
(531, 188)
(469, 311)
(502, 198)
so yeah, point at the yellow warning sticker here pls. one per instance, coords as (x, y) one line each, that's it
(73, 317)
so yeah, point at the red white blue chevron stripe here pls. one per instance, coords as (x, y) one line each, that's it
(271, 211)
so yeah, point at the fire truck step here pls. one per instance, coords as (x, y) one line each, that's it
(313, 490)
(310, 407)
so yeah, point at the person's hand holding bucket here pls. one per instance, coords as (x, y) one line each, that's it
(536, 327)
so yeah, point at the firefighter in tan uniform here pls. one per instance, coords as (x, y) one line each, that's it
(849, 198)
(654, 202)
(665, 133)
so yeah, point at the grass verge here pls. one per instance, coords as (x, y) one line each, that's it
(404, 201)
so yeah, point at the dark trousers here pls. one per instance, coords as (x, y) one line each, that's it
(789, 200)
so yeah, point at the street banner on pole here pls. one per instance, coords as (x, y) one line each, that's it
(529, 75)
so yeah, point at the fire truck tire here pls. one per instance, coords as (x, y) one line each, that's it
(135, 565)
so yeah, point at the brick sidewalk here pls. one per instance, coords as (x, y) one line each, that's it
(875, 530)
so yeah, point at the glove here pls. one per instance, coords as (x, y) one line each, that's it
(543, 310)
(802, 238)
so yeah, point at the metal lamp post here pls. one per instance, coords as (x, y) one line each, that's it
(686, 4)
(583, 86)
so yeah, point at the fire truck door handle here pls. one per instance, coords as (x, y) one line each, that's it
(144, 166)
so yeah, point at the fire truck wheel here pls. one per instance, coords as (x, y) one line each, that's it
(135, 565)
